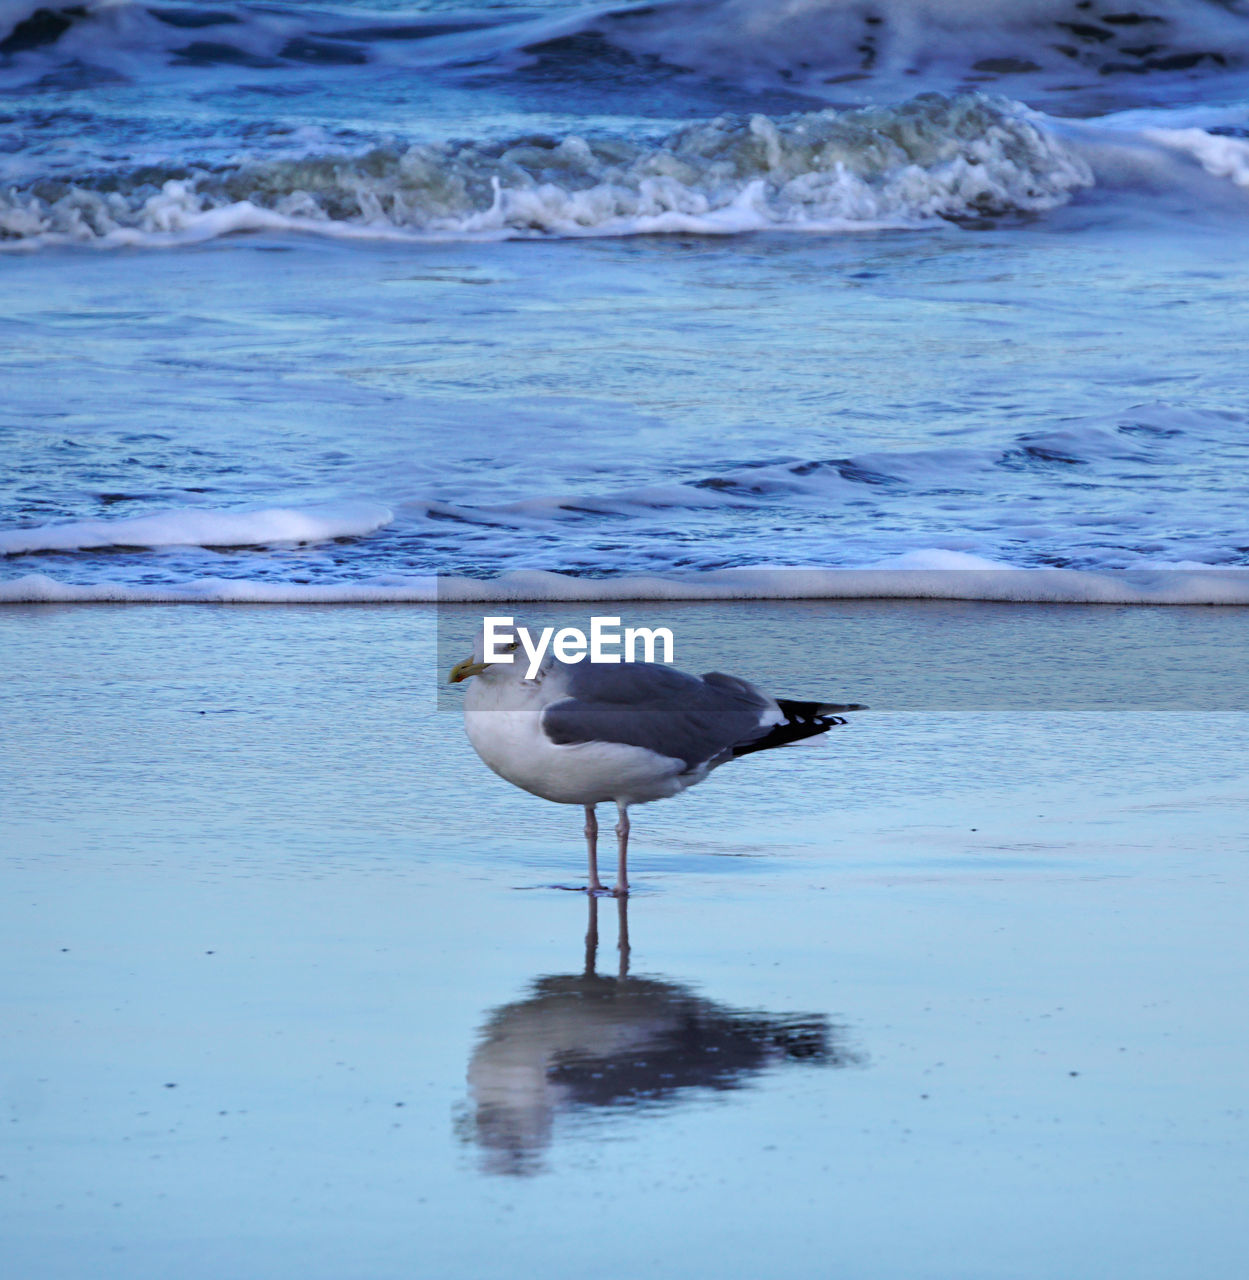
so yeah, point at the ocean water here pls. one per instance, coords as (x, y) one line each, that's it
(401, 300)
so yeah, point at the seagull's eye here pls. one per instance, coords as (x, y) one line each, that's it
(511, 648)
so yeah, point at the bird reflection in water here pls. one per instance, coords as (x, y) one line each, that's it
(583, 1041)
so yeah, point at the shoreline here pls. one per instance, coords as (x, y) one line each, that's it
(928, 576)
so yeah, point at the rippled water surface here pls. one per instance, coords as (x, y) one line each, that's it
(351, 298)
(641, 406)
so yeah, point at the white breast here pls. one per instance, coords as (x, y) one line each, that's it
(503, 721)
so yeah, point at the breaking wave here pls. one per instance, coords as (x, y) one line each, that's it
(929, 159)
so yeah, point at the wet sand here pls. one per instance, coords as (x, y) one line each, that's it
(955, 992)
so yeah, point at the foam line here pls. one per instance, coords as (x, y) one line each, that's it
(196, 528)
(935, 575)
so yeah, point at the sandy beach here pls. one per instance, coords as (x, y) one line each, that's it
(299, 997)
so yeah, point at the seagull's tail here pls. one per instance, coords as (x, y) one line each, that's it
(802, 720)
(820, 708)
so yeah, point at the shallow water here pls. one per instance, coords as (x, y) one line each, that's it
(632, 407)
(949, 994)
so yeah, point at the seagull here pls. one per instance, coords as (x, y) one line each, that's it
(591, 733)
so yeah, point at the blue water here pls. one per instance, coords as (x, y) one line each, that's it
(354, 296)
(396, 301)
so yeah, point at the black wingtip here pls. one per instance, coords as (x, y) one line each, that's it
(804, 711)
(802, 720)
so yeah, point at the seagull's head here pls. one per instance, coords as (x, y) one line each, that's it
(477, 665)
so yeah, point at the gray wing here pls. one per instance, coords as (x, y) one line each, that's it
(644, 704)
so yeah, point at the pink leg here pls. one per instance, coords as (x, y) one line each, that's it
(622, 851)
(591, 841)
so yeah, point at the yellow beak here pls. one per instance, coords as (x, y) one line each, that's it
(462, 670)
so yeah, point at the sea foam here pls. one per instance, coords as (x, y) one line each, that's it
(198, 528)
(930, 159)
(927, 575)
